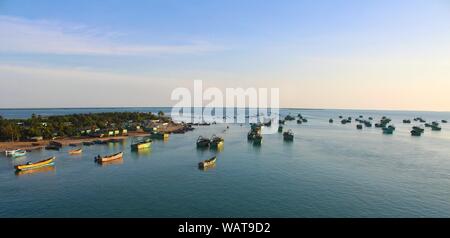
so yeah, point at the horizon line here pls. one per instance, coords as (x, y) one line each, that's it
(284, 108)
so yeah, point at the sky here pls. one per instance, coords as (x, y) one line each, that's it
(348, 54)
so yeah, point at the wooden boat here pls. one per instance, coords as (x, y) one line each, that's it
(75, 151)
(160, 135)
(203, 142)
(39, 164)
(141, 145)
(208, 162)
(288, 135)
(108, 158)
(216, 142)
(19, 153)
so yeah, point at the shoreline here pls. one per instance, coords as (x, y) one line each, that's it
(30, 145)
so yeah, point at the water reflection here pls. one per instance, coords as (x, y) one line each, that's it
(37, 170)
(145, 152)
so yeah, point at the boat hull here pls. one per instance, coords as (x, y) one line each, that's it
(40, 164)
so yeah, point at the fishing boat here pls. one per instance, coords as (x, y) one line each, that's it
(216, 142)
(39, 164)
(289, 118)
(108, 158)
(418, 129)
(436, 128)
(388, 130)
(160, 135)
(406, 121)
(203, 142)
(288, 135)
(208, 162)
(359, 127)
(141, 145)
(19, 153)
(416, 133)
(76, 151)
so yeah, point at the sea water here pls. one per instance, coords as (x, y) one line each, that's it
(329, 170)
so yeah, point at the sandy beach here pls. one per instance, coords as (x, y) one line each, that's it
(28, 145)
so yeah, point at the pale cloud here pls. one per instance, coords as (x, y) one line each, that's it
(19, 35)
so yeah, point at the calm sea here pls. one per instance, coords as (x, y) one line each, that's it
(330, 170)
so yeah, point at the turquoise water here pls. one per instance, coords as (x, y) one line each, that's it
(330, 170)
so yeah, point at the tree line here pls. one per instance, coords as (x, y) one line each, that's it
(69, 125)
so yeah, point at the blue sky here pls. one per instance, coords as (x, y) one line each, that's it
(337, 54)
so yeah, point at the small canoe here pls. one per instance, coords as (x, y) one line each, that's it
(76, 151)
(109, 157)
(39, 164)
(207, 163)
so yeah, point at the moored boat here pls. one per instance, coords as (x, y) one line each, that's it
(388, 130)
(108, 158)
(359, 127)
(19, 153)
(10, 152)
(203, 142)
(141, 145)
(76, 151)
(330, 121)
(39, 164)
(208, 162)
(444, 121)
(288, 135)
(160, 135)
(436, 128)
(216, 142)
(280, 129)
